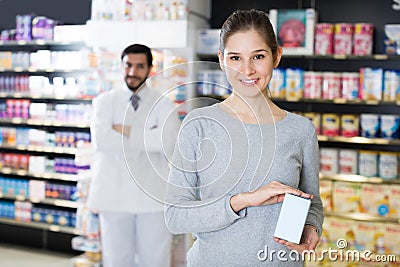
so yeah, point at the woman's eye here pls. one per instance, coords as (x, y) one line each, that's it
(258, 56)
(235, 58)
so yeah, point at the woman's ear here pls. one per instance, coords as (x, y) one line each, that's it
(278, 57)
(221, 60)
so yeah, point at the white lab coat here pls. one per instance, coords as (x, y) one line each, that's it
(128, 170)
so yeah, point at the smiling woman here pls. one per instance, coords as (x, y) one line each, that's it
(234, 161)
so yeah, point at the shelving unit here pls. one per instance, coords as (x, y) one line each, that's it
(358, 178)
(46, 176)
(361, 217)
(52, 235)
(41, 226)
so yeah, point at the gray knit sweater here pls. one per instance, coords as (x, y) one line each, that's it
(216, 157)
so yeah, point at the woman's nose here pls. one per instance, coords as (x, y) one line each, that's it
(247, 68)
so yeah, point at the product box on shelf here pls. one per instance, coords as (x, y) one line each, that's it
(391, 39)
(325, 188)
(370, 125)
(371, 83)
(349, 125)
(368, 163)
(390, 126)
(369, 236)
(294, 29)
(277, 84)
(294, 83)
(208, 41)
(394, 200)
(37, 189)
(346, 197)
(374, 200)
(363, 39)
(392, 238)
(348, 161)
(391, 85)
(329, 161)
(343, 38)
(324, 39)
(330, 124)
(388, 165)
(340, 229)
(312, 84)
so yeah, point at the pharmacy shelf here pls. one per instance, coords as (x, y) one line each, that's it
(44, 98)
(43, 226)
(45, 149)
(40, 71)
(47, 201)
(46, 175)
(40, 43)
(358, 179)
(361, 217)
(359, 140)
(340, 101)
(383, 57)
(38, 122)
(338, 105)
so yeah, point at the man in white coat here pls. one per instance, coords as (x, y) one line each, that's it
(134, 129)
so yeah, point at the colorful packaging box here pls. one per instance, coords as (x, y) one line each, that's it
(394, 201)
(350, 125)
(346, 197)
(392, 239)
(323, 39)
(277, 85)
(375, 200)
(343, 39)
(294, 83)
(391, 85)
(348, 161)
(370, 125)
(370, 236)
(331, 85)
(329, 161)
(363, 39)
(312, 84)
(350, 85)
(371, 84)
(388, 165)
(340, 229)
(390, 126)
(368, 163)
(325, 190)
(330, 124)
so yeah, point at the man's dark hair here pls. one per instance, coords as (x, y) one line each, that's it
(139, 49)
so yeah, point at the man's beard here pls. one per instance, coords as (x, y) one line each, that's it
(135, 88)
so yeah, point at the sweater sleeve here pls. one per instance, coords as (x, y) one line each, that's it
(185, 210)
(309, 182)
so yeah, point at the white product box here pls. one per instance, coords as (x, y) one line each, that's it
(292, 218)
(37, 189)
(70, 33)
(208, 41)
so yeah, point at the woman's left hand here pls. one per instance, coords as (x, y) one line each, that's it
(309, 240)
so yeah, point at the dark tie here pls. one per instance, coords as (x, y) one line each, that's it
(135, 101)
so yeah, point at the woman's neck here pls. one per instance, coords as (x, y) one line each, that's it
(259, 109)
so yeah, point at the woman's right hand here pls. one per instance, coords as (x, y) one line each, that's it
(271, 193)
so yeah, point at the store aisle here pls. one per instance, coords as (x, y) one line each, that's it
(16, 256)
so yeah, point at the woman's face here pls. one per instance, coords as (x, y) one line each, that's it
(248, 63)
